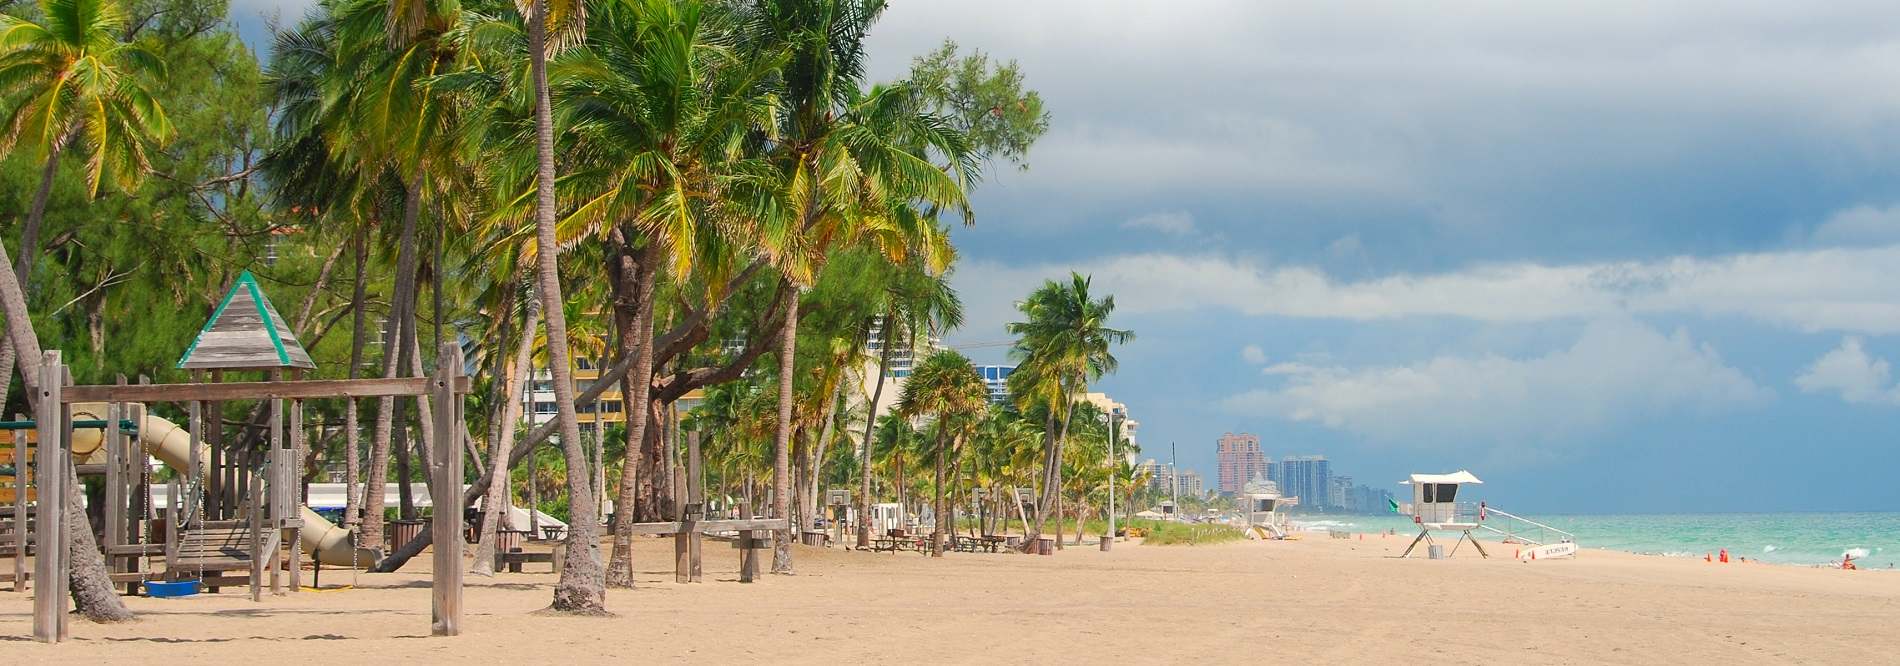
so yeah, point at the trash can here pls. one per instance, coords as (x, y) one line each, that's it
(1435, 552)
(1045, 546)
(403, 530)
(1106, 542)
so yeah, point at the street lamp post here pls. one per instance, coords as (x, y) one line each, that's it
(1110, 537)
(1174, 483)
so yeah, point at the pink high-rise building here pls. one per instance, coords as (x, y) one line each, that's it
(1240, 461)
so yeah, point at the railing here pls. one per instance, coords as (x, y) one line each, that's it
(1518, 529)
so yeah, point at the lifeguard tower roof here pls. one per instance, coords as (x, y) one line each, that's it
(1460, 476)
(245, 332)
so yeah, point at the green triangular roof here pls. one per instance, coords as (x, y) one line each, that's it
(245, 332)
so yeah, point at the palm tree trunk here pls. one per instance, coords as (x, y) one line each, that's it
(939, 516)
(352, 468)
(23, 271)
(781, 455)
(374, 486)
(583, 586)
(502, 436)
(91, 583)
(813, 477)
(35, 216)
(870, 422)
(636, 388)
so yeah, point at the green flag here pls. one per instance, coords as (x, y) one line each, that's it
(1394, 503)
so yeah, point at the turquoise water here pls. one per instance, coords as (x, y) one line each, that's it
(1780, 538)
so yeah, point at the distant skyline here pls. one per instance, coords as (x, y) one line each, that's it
(1609, 256)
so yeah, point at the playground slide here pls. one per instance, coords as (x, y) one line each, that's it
(172, 446)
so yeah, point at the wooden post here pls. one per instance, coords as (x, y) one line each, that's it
(748, 555)
(689, 524)
(49, 606)
(254, 512)
(20, 533)
(115, 494)
(174, 507)
(293, 495)
(275, 478)
(695, 495)
(447, 490)
(213, 486)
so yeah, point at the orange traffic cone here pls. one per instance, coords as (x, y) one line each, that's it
(1707, 558)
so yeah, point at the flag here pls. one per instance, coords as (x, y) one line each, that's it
(1394, 503)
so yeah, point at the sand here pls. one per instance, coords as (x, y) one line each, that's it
(1311, 600)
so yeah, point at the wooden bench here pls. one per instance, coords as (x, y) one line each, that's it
(515, 557)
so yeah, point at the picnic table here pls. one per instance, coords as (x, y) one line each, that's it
(987, 543)
(897, 543)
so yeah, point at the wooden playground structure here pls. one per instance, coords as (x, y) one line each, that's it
(235, 505)
(233, 512)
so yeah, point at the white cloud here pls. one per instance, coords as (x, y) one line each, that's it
(1178, 223)
(1618, 371)
(1860, 226)
(1253, 354)
(1442, 106)
(1826, 289)
(1852, 373)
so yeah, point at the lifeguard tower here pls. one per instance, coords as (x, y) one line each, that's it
(1260, 504)
(1435, 508)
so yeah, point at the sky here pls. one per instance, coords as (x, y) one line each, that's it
(1609, 256)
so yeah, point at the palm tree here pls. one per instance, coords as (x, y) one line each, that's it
(72, 78)
(75, 80)
(916, 300)
(854, 162)
(947, 388)
(657, 105)
(1062, 346)
(583, 586)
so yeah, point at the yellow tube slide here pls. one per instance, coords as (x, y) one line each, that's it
(171, 445)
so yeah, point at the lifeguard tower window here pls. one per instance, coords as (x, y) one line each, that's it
(1441, 492)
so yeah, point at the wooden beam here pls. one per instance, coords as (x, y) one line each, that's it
(278, 390)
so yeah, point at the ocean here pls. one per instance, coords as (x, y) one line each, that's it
(1808, 539)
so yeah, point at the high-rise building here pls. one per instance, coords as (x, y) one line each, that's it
(1240, 461)
(1191, 485)
(996, 379)
(538, 405)
(1308, 478)
(1373, 500)
(1160, 476)
(1107, 405)
(1339, 494)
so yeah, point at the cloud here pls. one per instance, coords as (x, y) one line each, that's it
(1253, 354)
(1178, 223)
(1852, 373)
(1448, 110)
(1823, 289)
(1860, 226)
(1618, 371)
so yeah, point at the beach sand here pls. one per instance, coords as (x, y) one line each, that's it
(1316, 599)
